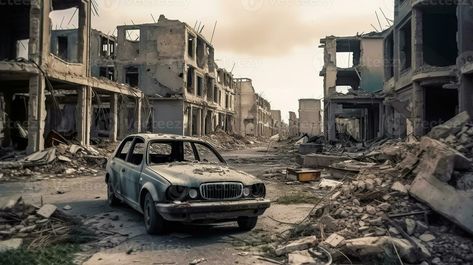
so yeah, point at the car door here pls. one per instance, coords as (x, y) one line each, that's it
(118, 164)
(132, 174)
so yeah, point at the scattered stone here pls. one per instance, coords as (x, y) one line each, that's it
(300, 257)
(410, 226)
(371, 210)
(334, 240)
(67, 208)
(427, 237)
(399, 187)
(11, 244)
(47, 210)
(197, 261)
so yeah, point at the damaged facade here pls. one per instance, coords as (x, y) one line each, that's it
(253, 112)
(174, 66)
(351, 106)
(427, 76)
(47, 86)
(310, 122)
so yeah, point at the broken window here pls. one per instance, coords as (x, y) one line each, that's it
(405, 46)
(22, 49)
(107, 72)
(190, 46)
(348, 53)
(440, 28)
(389, 55)
(210, 85)
(132, 76)
(436, 96)
(63, 19)
(200, 86)
(201, 57)
(15, 26)
(227, 100)
(215, 97)
(190, 79)
(133, 35)
(63, 47)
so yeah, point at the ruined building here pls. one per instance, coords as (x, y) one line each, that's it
(293, 125)
(174, 66)
(353, 72)
(429, 60)
(309, 117)
(253, 112)
(48, 88)
(277, 122)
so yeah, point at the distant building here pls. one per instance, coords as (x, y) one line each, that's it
(293, 126)
(253, 112)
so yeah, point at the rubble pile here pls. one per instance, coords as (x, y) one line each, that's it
(59, 161)
(224, 141)
(409, 202)
(33, 227)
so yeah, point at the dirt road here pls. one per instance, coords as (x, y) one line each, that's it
(129, 243)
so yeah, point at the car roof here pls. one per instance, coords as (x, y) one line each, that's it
(159, 136)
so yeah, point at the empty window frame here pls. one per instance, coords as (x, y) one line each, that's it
(133, 35)
(200, 86)
(405, 46)
(190, 79)
(132, 76)
(190, 46)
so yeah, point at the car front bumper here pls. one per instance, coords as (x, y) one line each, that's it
(224, 210)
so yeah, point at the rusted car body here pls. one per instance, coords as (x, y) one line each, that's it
(181, 179)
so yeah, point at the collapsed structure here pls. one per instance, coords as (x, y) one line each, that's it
(83, 84)
(46, 87)
(404, 80)
(351, 106)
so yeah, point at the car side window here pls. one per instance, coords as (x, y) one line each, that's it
(160, 153)
(189, 154)
(137, 153)
(206, 154)
(123, 149)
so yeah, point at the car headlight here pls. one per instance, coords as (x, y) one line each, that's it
(193, 193)
(177, 193)
(258, 190)
(246, 192)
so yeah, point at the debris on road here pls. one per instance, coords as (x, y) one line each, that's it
(34, 227)
(59, 161)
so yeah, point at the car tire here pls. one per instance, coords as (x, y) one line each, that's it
(247, 223)
(111, 198)
(154, 222)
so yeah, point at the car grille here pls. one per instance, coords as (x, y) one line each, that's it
(221, 191)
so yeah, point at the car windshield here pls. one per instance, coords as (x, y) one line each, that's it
(164, 152)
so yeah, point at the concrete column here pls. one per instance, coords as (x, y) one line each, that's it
(6, 119)
(331, 126)
(84, 114)
(139, 103)
(417, 39)
(466, 94)
(123, 125)
(114, 117)
(189, 120)
(199, 122)
(418, 109)
(36, 114)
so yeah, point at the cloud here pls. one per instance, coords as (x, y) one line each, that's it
(269, 28)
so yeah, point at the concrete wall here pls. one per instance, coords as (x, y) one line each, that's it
(372, 65)
(309, 117)
(246, 108)
(169, 117)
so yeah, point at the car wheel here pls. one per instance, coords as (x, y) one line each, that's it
(247, 223)
(111, 198)
(155, 223)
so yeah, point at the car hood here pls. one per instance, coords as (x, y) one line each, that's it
(194, 174)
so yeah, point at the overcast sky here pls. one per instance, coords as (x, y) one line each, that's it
(273, 42)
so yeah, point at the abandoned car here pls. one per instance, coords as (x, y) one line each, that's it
(171, 178)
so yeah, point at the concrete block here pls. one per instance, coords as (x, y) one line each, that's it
(11, 244)
(301, 244)
(322, 161)
(453, 126)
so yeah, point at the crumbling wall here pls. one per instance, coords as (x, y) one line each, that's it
(309, 117)
(372, 65)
